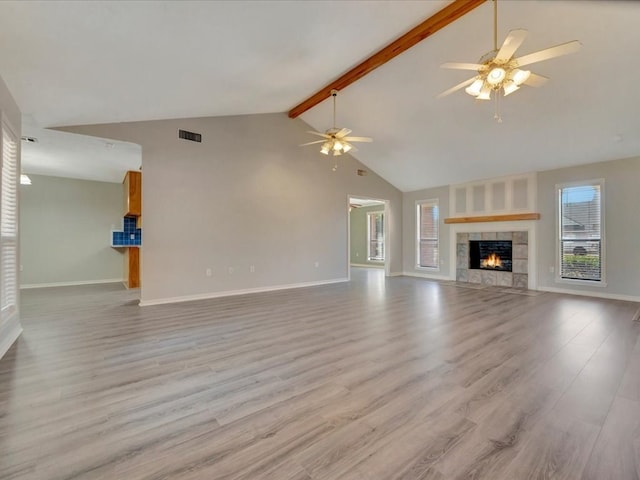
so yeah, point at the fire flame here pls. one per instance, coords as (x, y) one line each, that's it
(492, 261)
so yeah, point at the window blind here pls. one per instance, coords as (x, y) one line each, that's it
(375, 221)
(428, 247)
(581, 232)
(8, 225)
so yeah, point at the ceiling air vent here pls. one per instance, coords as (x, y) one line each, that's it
(194, 137)
(362, 173)
(29, 139)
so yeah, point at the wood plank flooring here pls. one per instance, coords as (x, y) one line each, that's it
(377, 379)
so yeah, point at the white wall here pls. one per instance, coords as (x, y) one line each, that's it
(247, 195)
(622, 229)
(621, 223)
(10, 329)
(65, 227)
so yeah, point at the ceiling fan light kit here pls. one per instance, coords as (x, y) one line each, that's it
(336, 140)
(498, 71)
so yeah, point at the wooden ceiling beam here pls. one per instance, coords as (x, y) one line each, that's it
(431, 25)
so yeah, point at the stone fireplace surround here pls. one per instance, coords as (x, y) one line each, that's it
(518, 278)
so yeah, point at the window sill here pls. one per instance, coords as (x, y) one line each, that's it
(427, 269)
(583, 283)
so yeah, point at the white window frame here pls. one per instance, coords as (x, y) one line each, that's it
(575, 281)
(7, 312)
(384, 228)
(419, 203)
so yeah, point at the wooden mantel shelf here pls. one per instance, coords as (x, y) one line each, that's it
(494, 218)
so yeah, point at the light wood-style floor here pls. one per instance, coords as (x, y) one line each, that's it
(375, 379)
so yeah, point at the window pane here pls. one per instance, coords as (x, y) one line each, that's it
(581, 233)
(428, 217)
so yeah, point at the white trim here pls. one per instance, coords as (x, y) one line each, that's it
(384, 227)
(246, 291)
(582, 293)
(426, 275)
(380, 266)
(396, 274)
(70, 284)
(9, 338)
(636, 317)
(528, 226)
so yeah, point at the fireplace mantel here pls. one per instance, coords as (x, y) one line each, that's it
(494, 218)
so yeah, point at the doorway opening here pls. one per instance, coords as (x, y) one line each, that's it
(368, 233)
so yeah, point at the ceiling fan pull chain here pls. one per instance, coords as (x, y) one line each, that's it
(497, 116)
(335, 165)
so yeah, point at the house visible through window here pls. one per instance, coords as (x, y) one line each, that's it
(427, 227)
(375, 240)
(581, 232)
(9, 226)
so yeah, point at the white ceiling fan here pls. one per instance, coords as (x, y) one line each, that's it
(336, 140)
(499, 70)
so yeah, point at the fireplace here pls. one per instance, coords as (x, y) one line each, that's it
(511, 246)
(493, 255)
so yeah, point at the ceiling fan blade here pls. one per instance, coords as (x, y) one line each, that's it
(457, 87)
(311, 143)
(510, 45)
(358, 139)
(536, 80)
(557, 51)
(343, 132)
(319, 134)
(462, 66)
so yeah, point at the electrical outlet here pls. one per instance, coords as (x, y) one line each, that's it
(132, 236)
(252, 269)
(231, 270)
(20, 267)
(317, 264)
(357, 254)
(552, 269)
(208, 272)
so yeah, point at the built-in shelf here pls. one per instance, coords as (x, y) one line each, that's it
(494, 218)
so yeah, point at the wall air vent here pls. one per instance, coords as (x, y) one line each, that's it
(29, 139)
(194, 137)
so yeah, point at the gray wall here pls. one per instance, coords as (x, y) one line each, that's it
(9, 330)
(621, 224)
(410, 234)
(247, 195)
(65, 226)
(359, 234)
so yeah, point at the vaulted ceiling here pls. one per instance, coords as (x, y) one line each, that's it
(93, 62)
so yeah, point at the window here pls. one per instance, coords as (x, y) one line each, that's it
(375, 236)
(427, 227)
(581, 232)
(8, 225)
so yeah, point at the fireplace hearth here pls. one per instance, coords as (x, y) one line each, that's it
(491, 255)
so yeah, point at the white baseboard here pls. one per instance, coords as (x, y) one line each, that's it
(395, 274)
(230, 293)
(365, 265)
(70, 284)
(611, 296)
(9, 337)
(430, 276)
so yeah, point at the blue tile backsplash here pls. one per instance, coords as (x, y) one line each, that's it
(123, 238)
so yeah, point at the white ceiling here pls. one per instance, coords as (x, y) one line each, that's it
(92, 62)
(62, 154)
